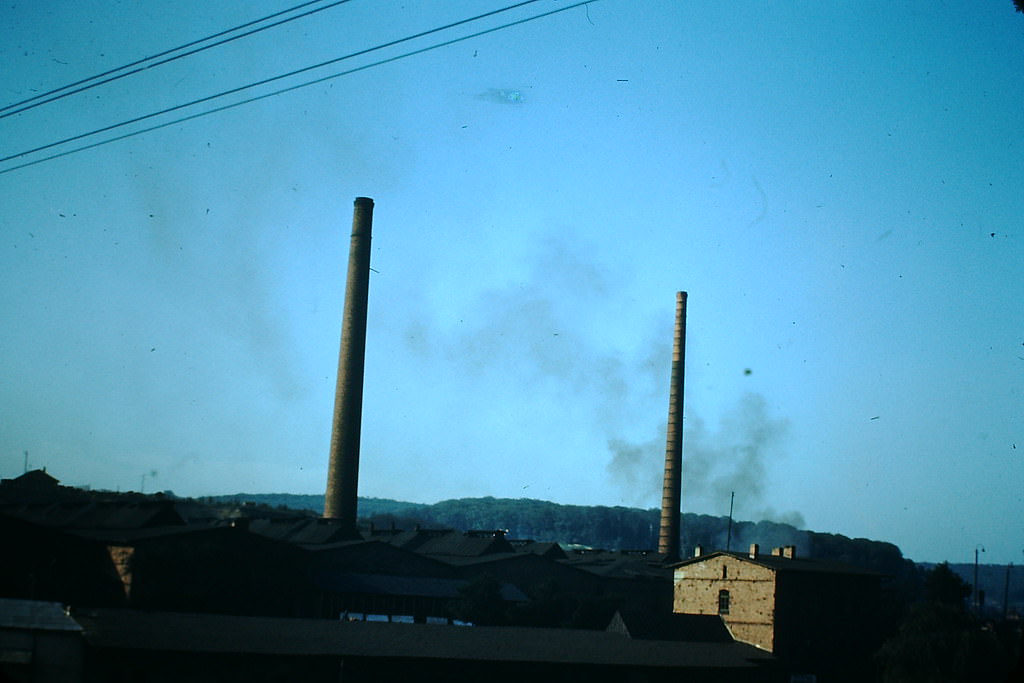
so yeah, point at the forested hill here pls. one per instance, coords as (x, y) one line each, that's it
(613, 528)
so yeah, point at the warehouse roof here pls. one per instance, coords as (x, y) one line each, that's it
(35, 615)
(163, 631)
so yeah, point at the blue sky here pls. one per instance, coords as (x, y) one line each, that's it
(836, 186)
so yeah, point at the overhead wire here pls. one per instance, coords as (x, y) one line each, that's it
(143, 64)
(297, 86)
(272, 79)
(4, 114)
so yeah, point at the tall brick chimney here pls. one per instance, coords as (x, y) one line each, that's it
(668, 533)
(343, 471)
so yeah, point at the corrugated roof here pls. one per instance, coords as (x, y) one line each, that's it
(413, 586)
(35, 615)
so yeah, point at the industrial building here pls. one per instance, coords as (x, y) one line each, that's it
(157, 592)
(813, 614)
(43, 643)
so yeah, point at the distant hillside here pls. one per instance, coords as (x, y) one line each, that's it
(616, 528)
(292, 501)
(368, 507)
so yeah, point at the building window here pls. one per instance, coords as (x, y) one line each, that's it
(725, 571)
(723, 602)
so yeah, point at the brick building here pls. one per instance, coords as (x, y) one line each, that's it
(816, 615)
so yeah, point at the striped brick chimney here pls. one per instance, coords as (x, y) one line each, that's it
(671, 497)
(343, 471)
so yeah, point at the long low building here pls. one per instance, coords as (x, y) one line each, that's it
(162, 646)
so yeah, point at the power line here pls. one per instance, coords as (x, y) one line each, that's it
(93, 81)
(265, 81)
(295, 87)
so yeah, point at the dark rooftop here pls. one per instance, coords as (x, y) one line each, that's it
(35, 616)
(785, 564)
(162, 631)
(649, 625)
(86, 514)
(451, 543)
(33, 479)
(388, 584)
(549, 549)
(621, 564)
(303, 530)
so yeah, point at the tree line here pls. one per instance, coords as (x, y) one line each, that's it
(597, 526)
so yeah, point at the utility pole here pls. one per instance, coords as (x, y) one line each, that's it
(977, 602)
(1006, 591)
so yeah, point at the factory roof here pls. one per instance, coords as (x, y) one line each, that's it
(550, 550)
(647, 625)
(621, 564)
(413, 586)
(445, 542)
(93, 514)
(175, 632)
(34, 479)
(303, 530)
(34, 615)
(780, 563)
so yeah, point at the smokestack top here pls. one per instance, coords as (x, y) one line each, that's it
(362, 217)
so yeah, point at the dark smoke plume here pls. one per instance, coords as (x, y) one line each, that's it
(715, 463)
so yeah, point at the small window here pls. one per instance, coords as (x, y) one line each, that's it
(725, 571)
(723, 602)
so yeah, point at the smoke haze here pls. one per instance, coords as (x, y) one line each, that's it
(731, 458)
